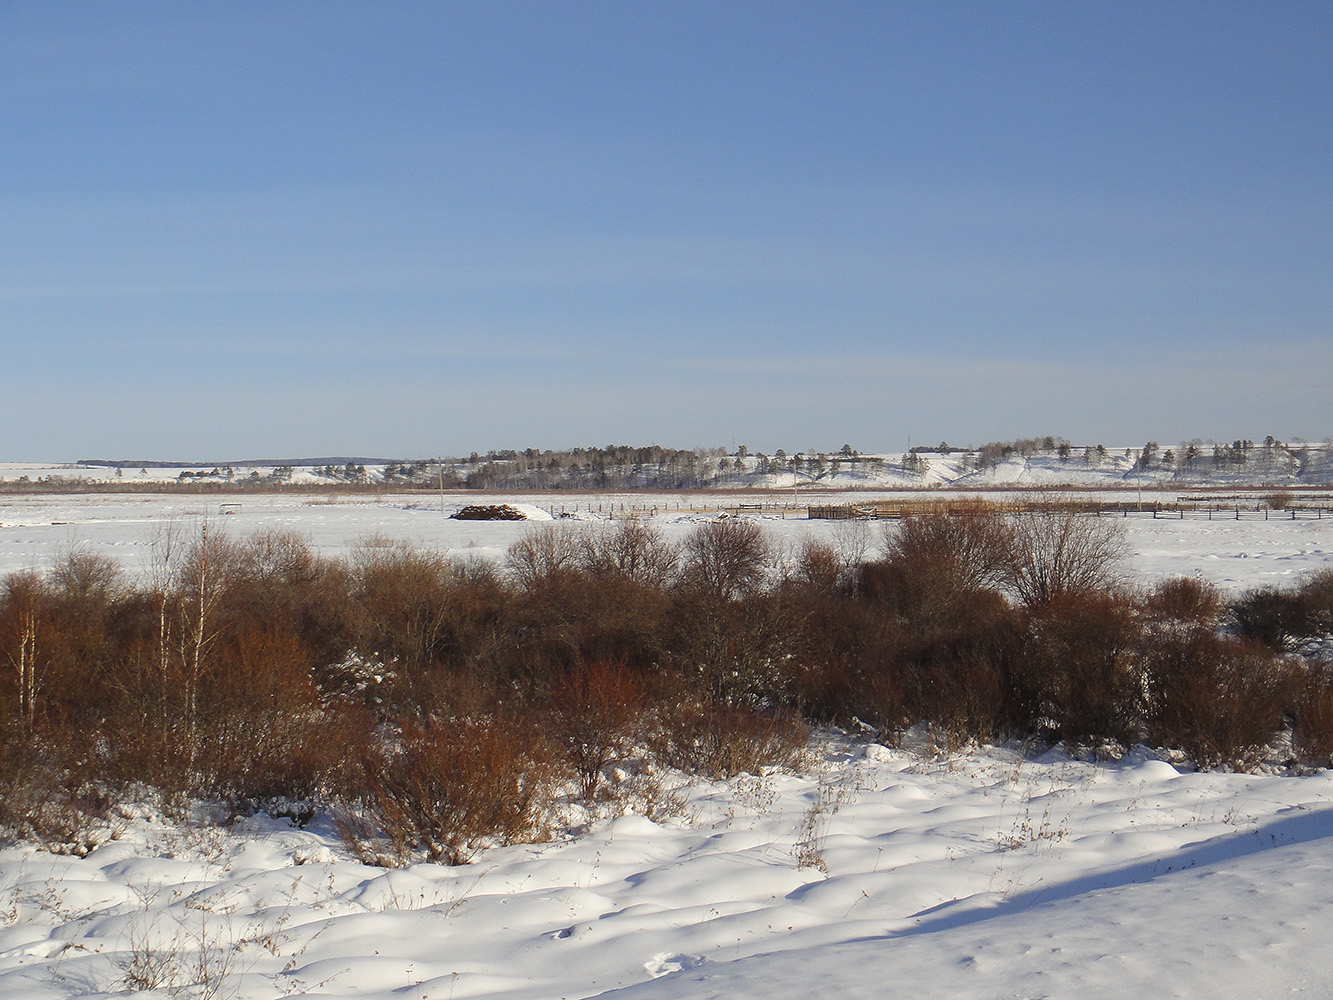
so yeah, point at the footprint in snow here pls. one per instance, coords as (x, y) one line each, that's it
(662, 965)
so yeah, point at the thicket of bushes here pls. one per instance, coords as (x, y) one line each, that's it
(435, 704)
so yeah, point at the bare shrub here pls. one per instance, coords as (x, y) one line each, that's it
(276, 554)
(1184, 601)
(835, 658)
(725, 559)
(1081, 675)
(1317, 596)
(449, 789)
(1271, 615)
(740, 652)
(634, 549)
(826, 647)
(284, 585)
(948, 635)
(85, 576)
(543, 555)
(597, 708)
(85, 590)
(957, 667)
(45, 801)
(411, 603)
(722, 741)
(579, 618)
(818, 566)
(960, 691)
(1275, 616)
(853, 540)
(265, 734)
(1313, 734)
(1061, 551)
(938, 578)
(967, 548)
(1218, 699)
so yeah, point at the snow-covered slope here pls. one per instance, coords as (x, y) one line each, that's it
(879, 872)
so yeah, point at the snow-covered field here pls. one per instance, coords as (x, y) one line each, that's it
(34, 530)
(875, 872)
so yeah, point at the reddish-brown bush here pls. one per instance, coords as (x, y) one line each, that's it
(818, 567)
(251, 671)
(1185, 602)
(543, 555)
(1317, 594)
(448, 789)
(721, 741)
(957, 550)
(738, 652)
(1080, 676)
(947, 636)
(597, 711)
(1313, 734)
(582, 617)
(1062, 551)
(46, 800)
(401, 595)
(633, 549)
(725, 559)
(1270, 615)
(1220, 700)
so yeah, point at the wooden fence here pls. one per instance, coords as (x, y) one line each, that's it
(880, 510)
(1156, 510)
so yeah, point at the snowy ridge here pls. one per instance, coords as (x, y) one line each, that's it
(1108, 468)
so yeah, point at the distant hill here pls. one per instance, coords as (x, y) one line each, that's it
(249, 463)
(1049, 463)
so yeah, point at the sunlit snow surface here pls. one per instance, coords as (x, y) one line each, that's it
(35, 530)
(875, 873)
(978, 875)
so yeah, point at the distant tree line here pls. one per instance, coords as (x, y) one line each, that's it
(626, 467)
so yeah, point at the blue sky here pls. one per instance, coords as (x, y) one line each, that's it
(275, 229)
